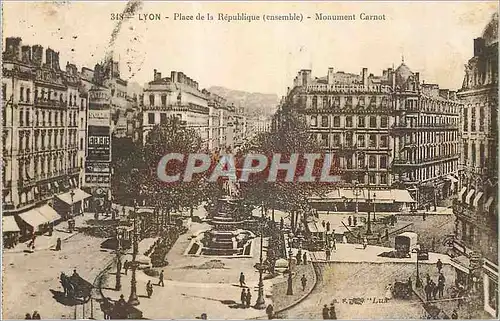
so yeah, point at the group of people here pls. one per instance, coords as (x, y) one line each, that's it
(329, 312)
(301, 257)
(433, 290)
(246, 298)
(34, 316)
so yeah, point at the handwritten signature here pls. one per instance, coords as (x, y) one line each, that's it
(360, 301)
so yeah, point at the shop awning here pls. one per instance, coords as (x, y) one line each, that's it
(9, 224)
(402, 196)
(78, 196)
(33, 218)
(49, 213)
(382, 197)
(478, 197)
(350, 194)
(469, 196)
(461, 193)
(461, 263)
(488, 203)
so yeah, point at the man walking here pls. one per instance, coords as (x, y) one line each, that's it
(160, 281)
(439, 265)
(125, 266)
(248, 297)
(326, 312)
(304, 258)
(270, 311)
(327, 252)
(243, 298)
(242, 279)
(58, 244)
(365, 242)
(299, 257)
(349, 221)
(333, 314)
(440, 286)
(149, 289)
(303, 280)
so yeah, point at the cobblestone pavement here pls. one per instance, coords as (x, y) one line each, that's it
(31, 280)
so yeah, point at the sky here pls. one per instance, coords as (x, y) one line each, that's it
(435, 39)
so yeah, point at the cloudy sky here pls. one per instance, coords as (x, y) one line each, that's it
(436, 39)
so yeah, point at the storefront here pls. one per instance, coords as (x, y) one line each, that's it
(70, 204)
(10, 231)
(31, 222)
(490, 282)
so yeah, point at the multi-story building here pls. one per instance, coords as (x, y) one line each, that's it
(476, 206)
(367, 123)
(426, 138)
(177, 96)
(44, 120)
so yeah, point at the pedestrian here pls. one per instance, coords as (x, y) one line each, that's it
(332, 314)
(323, 224)
(344, 239)
(327, 253)
(203, 316)
(248, 297)
(454, 315)
(242, 279)
(365, 242)
(58, 244)
(298, 256)
(409, 285)
(386, 235)
(440, 287)
(304, 258)
(303, 280)
(423, 216)
(27, 316)
(282, 224)
(434, 289)
(328, 226)
(243, 298)
(149, 288)
(354, 221)
(439, 265)
(270, 311)
(126, 266)
(428, 278)
(379, 238)
(326, 312)
(349, 221)
(36, 316)
(427, 290)
(160, 280)
(75, 273)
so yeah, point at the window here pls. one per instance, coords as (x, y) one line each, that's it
(21, 94)
(151, 118)
(481, 155)
(348, 121)
(384, 102)
(348, 101)
(348, 139)
(28, 95)
(81, 143)
(324, 140)
(372, 162)
(481, 118)
(324, 121)
(473, 154)
(373, 140)
(336, 101)
(372, 178)
(384, 141)
(326, 102)
(473, 119)
(361, 161)
(27, 118)
(349, 162)
(314, 121)
(361, 121)
(361, 101)
(21, 118)
(383, 122)
(82, 103)
(163, 118)
(4, 91)
(315, 102)
(361, 140)
(373, 122)
(383, 161)
(151, 100)
(164, 100)
(4, 116)
(336, 121)
(383, 179)
(336, 140)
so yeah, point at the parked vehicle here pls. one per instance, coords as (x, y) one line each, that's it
(404, 243)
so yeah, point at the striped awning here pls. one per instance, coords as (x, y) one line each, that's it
(402, 196)
(478, 197)
(49, 213)
(9, 224)
(461, 193)
(33, 218)
(78, 196)
(469, 197)
(488, 203)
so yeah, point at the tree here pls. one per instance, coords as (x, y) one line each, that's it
(290, 135)
(126, 155)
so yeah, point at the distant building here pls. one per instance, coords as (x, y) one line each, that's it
(476, 208)
(44, 126)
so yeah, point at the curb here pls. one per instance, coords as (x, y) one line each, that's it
(302, 298)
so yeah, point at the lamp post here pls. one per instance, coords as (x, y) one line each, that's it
(260, 303)
(418, 282)
(368, 223)
(118, 285)
(133, 299)
(72, 194)
(356, 191)
(374, 196)
(289, 290)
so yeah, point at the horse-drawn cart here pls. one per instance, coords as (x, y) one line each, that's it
(76, 287)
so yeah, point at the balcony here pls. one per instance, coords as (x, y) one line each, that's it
(50, 103)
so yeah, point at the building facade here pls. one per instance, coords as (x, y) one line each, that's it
(44, 121)
(385, 132)
(476, 206)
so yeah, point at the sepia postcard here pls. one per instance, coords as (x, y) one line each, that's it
(249, 160)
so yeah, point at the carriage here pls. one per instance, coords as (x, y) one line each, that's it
(76, 287)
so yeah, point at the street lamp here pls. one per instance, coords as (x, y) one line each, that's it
(72, 194)
(418, 282)
(356, 191)
(368, 223)
(289, 290)
(133, 299)
(374, 196)
(118, 286)
(260, 303)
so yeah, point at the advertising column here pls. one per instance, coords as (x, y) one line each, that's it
(98, 162)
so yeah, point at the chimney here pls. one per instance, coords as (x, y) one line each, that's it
(364, 76)
(479, 45)
(157, 75)
(13, 45)
(330, 76)
(49, 57)
(26, 53)
(55, 60)
(173, 76)
(37, 55)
